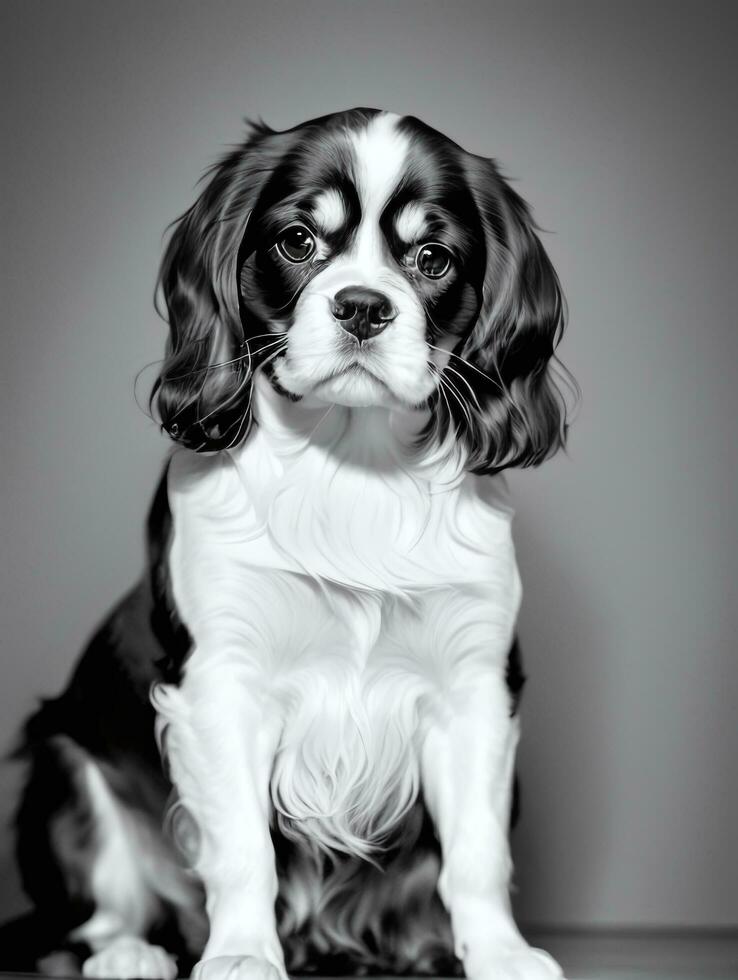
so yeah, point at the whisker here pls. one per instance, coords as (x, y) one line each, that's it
(450, 354)
(268, 360)
(442, 392)
(457, 394)
(247, 410)
(471, 390)
(251, 354)
(220, 364)
(499, 383)
(455, 391)
(443, 385)
(245, 380)
(242, 418)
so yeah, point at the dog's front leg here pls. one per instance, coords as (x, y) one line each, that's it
(467, 770)
(220, 734)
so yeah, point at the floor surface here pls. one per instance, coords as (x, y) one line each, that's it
(622, 955)
(618, 955)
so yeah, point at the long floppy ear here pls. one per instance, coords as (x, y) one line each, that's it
(517, 416)
(203, 390)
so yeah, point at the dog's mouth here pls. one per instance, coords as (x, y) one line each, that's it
(355, 384)
(356, 370)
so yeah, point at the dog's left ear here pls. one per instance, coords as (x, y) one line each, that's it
(518, 417)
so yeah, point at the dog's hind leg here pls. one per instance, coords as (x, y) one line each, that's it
(109, 858)
(126, 903)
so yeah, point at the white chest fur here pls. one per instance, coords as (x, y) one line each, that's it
(340, 495)
(350, 580)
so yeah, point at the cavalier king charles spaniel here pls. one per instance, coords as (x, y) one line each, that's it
(291, 746)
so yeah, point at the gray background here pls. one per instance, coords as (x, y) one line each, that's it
(617, 120)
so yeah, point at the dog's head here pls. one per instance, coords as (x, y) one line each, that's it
(365, 259)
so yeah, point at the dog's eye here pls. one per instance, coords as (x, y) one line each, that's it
(296, 244)
(433, 260)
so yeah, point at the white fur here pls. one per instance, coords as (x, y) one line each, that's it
(411, 222)
(393, 369)
(124, 898)
(328, 210)
(220, 742)
(130, 956)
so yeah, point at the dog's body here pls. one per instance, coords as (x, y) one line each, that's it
(327, 626)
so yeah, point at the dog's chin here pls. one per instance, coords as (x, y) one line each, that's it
(354, 387)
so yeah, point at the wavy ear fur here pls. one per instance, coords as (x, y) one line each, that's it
(517, 416)
(203, 390)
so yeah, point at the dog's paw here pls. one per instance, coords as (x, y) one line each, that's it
(237, 968)
(129, 957)
(523, 963)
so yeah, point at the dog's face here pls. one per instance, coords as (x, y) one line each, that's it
(367, 250)
(364, 259)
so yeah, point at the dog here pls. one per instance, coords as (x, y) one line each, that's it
(290, 747)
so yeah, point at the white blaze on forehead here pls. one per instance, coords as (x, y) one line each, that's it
(328, 211)
(411, 222)
(380, 151)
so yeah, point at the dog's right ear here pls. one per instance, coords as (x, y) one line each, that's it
(203, 390)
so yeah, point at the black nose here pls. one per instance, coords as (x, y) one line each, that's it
(362, 312)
